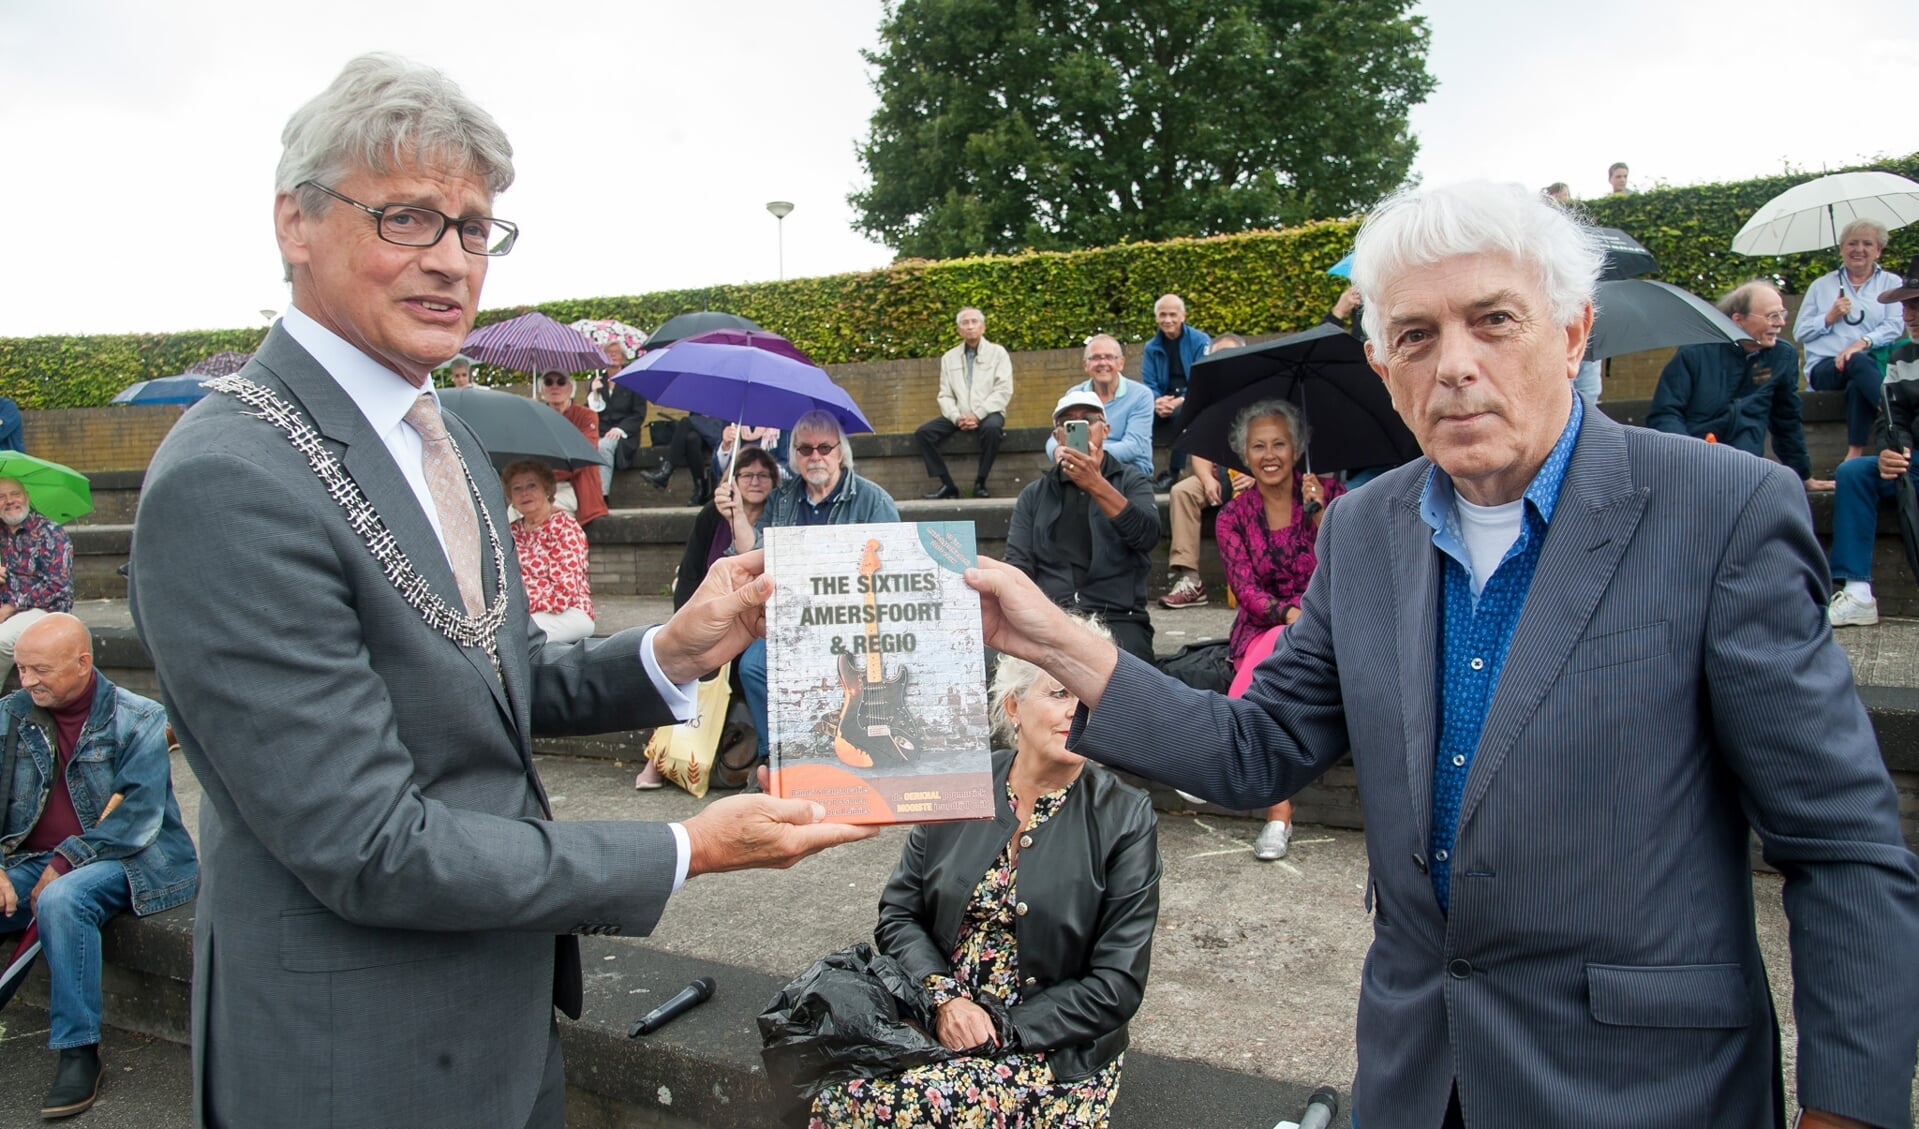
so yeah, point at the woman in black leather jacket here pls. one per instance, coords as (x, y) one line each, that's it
(1033, 932)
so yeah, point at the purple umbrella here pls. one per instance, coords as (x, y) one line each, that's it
(755, 338)
(754, 387)
(226, 362)
(533, 343)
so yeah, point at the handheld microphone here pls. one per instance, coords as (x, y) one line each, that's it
(689, 997)
(1320, 1109)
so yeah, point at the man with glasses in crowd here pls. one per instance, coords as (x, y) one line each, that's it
(1128, 406)
(822, 490)
(389, 913)
(1734, 394)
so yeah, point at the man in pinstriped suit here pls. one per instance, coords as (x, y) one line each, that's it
(1591, 658)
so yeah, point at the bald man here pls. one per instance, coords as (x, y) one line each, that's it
(83, 838)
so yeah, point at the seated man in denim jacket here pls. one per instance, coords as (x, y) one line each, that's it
(90, 829)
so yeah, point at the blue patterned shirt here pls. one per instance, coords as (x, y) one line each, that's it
(1474, 634)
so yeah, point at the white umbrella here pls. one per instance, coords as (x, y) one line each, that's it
(1810, 216)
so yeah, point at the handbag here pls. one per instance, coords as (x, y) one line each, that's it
(684, 753)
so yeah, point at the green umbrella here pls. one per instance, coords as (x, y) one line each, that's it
(60, 493)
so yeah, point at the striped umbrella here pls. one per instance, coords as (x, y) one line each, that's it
(533, 343)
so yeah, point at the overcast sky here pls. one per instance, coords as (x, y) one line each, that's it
(139, 139)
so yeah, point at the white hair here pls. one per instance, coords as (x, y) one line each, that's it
(1417, 227)
(385, 113)
(819, 419)
(1014, 678)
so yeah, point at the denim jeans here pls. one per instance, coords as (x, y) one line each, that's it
(72, 909)
(1861, 380)
(753, 681)
(1855, 514)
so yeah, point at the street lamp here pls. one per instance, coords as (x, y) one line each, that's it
(781, 209)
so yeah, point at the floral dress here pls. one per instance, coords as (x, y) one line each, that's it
(976, 1091)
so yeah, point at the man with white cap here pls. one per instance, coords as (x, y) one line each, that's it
(1085, 530)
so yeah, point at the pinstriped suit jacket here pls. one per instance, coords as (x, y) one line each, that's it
(1671, 681)
(381, 888)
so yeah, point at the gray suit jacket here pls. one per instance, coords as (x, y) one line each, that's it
(1672, 681)
(382, 884)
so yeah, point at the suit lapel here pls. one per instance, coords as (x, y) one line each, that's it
(1598, 510)
(371, 465)
(1416, 579)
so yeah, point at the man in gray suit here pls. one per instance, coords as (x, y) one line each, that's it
(388, 909)
(1583, 660)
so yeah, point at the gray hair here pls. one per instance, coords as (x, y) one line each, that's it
(1738, 300)
(461, 359)
(964, 310)
(1225, 341)
(1262, 409)
(1088, 351)
(1878, 230)
(819, 419)
(1014, 678)
(385, 113)
(1417, 227)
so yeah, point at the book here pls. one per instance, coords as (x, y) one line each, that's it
(876, 672)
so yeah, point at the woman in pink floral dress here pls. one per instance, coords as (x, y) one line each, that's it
(1265, 537)
(1033, 932)
(552, 551)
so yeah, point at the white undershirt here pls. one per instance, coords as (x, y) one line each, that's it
(1487, 532)
(384, 397)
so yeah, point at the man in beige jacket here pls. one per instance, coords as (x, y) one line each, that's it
(976, 383)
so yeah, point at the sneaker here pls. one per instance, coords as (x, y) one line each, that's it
(1187, 593)
(1272, 841)
(649, 778)
(1848, 610)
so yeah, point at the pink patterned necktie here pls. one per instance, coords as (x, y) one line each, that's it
(446, 480)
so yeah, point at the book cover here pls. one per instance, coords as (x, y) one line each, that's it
(876, 673)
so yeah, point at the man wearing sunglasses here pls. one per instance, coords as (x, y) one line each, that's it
(822, 490)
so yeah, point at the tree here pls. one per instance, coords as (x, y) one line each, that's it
(1054, 124)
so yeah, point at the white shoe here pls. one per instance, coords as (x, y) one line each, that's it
(1272, 840)
(1848, 610)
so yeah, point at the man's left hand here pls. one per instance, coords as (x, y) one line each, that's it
(967, 422)
(1816, 484)
(727, 612)
(1166, 405)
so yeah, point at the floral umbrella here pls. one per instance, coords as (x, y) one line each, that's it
(226, 362)
(601, 331)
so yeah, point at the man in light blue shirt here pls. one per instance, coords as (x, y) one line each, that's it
(1129, 405)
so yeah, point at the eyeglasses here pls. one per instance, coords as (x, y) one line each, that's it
(808, 450)
(410, 225)
(754, 476)
(1104, 357)
(555, 381)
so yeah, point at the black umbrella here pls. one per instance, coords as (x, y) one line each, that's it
(514, 427)
(1324, 373)
(1638, 313)
(694, 324)
(1626, 257)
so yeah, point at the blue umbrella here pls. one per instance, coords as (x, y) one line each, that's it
(182, 389)
(1343, 268)
(751, 386)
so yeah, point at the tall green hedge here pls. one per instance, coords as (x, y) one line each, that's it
(1254, 282)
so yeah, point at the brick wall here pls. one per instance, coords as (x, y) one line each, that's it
(90, 439)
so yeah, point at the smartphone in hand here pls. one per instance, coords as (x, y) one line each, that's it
(1076, 435)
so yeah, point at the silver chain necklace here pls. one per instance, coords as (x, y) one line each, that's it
(480, 631)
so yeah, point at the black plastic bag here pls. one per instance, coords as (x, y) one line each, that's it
(1203, 666)
(854, 1014)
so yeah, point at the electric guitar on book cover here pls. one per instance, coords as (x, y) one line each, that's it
(875, 720)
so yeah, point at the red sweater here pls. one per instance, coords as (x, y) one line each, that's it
(59, 821)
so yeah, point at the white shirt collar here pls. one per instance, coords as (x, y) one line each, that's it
(383, 396)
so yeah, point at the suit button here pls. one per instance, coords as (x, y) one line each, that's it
(1020, 909)
(1458, 968)
(1025, 841)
